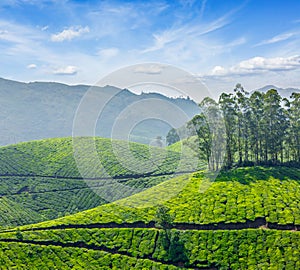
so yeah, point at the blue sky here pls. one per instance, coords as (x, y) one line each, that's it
(222, 42)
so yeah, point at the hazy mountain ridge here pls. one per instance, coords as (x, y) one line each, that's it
(38, 110)
(284, 92)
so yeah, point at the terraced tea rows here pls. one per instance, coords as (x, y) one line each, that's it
(190, 200)
(55, 158)
(210, 228)
(237, 249)
(11, 213)
(42, 176)
(31, 256)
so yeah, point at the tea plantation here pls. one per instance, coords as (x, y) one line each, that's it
(40, 180)
(248, 218)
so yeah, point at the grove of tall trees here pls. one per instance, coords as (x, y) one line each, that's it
(257, 129)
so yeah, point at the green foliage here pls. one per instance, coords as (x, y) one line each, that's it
(162, 218)
(19, 235)
(28, 256)
(12, 213)
(234, 249)
(172, 137)
(236, 196)
(55, 158)
(41, 178)
(259, 129)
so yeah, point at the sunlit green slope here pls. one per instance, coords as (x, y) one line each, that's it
(12, 212)
(247, 219)
(43, 176)
(241, 195)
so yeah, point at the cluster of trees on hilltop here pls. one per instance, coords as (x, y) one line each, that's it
(257, 129)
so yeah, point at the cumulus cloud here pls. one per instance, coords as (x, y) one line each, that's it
(68, 70)
(70, 33)
(32, 66)
(258, 65)
(269, 64)
(218, 70)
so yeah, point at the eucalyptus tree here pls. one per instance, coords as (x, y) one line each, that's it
(294, 134)
(274, 125)
(243, 114)
(227, 105)
(256, 102)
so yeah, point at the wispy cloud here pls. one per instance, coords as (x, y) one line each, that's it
(15, 33)
(108, 53)
(44, 28)
(203, 5)
(28, 2)
(186, 31)
(20, 40)
(70, 33)
(277, 38)
(192, 30)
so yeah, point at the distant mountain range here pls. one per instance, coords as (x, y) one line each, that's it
(31, 111)
(37, 110)
(284, 92)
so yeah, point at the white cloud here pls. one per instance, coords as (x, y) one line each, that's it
(70, 33)
(269, 64)
(32, 66)
(278, 38)
(68, 70)
(218, 70)
(258, 65)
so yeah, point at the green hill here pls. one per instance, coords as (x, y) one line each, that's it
(43, 177)
(11, 213)
(247, 219)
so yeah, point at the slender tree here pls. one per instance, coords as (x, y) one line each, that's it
(228, 108)
(261, 128)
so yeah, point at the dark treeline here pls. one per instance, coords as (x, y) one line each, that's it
(248, 129)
